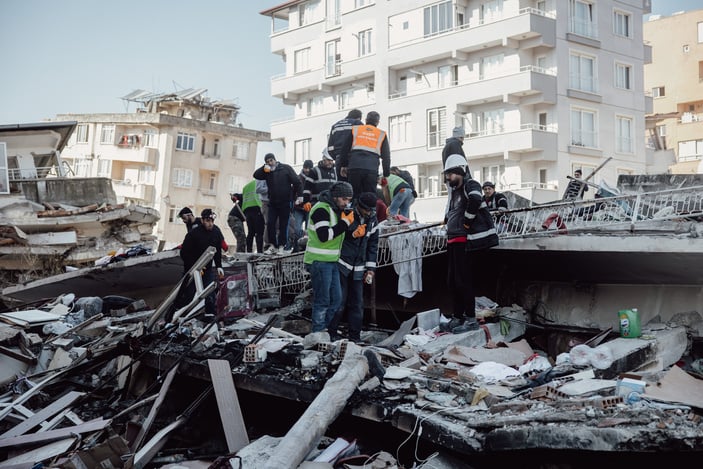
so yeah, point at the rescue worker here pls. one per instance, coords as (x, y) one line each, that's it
(235, 220)
(251, 205)
(363, 152)
(469, 229)
(340, 132)
(327, 225)
(299, 215)
(357, 265)
(576, 187)
(453, 145)
(398, 194)
(495, 201)
(186, 214)
(407, 177)
(319, 179)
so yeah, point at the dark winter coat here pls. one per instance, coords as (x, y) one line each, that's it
(452, 146)
(283, 184)
(359, 254)
(196, 243)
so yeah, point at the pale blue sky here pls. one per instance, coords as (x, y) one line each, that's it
(81, 56)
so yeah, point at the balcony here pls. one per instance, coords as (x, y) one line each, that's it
(351, 71)
(527, 29)
(206, 197)
(133, 191)
(289, 87)
(144, 155)
(283, 39)
(209, 162)
(514, 144)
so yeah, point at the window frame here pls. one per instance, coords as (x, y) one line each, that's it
(107, 134)
(581, 131)
(400, 130)
(576, 77)
(182, 177)
(624, 144)
(628, 76)
(627, 23)
(301, 60)
(187, 139)
(301, 150)
(435, 138)
(365, 43)
(82, 133)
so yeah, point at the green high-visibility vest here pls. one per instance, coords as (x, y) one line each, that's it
(249, 196)
(317, 250)
(393, 183)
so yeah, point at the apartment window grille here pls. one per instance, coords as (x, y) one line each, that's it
(104, 168)
(82, 133)
(623, 134)
(623, 76)
(333, 59)
(301, 151)
(182, 177)
(436, 127)
(399, 129)
(185, 141)
(365, 45)
(658, 92)
(583, 128)
(582, 19)
(622, 24)
(301, 59)
(438, 18)
(582, 68)
(107, 134)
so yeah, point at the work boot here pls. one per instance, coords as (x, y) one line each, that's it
(470, 324)
(449, 326)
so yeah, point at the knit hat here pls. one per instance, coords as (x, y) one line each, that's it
(268, 156)
(341, 189)
(207, 213)
(308, 164)
(185, 211)
(488, 184)
(458, 132)
(367, 200)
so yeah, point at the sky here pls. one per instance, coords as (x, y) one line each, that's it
(81, 56)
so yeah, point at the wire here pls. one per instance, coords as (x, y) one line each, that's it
(418, 422)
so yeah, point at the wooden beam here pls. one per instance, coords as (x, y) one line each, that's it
(52, 435)
(228, 404)
(45, 413)
(154, 409)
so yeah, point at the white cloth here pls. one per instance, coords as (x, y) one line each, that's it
(408, 248)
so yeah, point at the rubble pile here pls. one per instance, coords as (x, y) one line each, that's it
(100, 381)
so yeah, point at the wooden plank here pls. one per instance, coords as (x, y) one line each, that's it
(44, 453)
(228, 404)
(52, 435)
(144, 455)
(154, 409)
(45, 413)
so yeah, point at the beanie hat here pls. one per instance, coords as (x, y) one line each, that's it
(308, 164)
(341, 189)
(455, 162)
(367, 200)
(489, 184)
(207, 213)
(458, 132)
(456, 170)
(269, 156)
(185, 211)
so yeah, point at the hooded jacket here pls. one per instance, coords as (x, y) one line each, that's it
(318, 180)
(482, 232)
(282, 182)
(452, 146)
(359, 254)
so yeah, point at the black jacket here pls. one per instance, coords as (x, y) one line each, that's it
(363, 159)
(452, 146)
(496, 202)
(338, 135)
(196, 243)
(283, 184)
(482, 233)
(359, 254)
(318, 179)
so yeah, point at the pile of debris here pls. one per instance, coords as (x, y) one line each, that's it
(106, 382)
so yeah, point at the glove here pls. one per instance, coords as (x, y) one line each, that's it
(467, 223)
(220, 273)
(368, 277)
(384, 181)
(348, 217)
(307, 206)
(360, 231)
(298, 201)
(343, 172)
(267, 168)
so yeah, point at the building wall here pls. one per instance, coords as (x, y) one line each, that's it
(146, 167)
(514, 59)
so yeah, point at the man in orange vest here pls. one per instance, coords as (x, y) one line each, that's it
(364, 150)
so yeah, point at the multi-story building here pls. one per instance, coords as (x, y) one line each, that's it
(675, 79)
(541, 87)
(177, 150)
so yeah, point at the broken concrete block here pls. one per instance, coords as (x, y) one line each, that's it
(56, 328)
(311, 340)
(515, 328)
(628, 355)
(91, 305)
(671, 344)
(310, 359)
(468, 339)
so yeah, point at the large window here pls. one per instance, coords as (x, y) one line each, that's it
(81, 167)
(691, 150)
(491, 66)
(182, 177)
(622, 24)
(582, 72)
(491, 10)
(447, 75)
(583, 128)
(438, 18)
(491, 122)
(493, 173)
(301, 151)
(344, 99)
(107, 134)
(334, 12)
(146, 175)
(436, 127)
(365, 46)
(185, 141)
(305, 11)
(400, 130)
(582, 19)
(82, 133)
(623, 76)
(623, 134)
(333, 59)
(301, 60)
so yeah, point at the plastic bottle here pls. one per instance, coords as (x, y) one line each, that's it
(629, 320)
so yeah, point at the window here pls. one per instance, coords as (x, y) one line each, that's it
(543, 177)
(333, 59)
(304, 13)
(491, 122)
(202, 146)
(211, 182)
(582, 68)
(700, 32)
(149, 138)
(344, 99)
(104, 168)
(107, 134)
(623, 76)
(314, 106)
(185, 142)
(447, 75)
(491, 11)
(438, 18)
(182, 177)
(4, 175)
(364, 46)
(542, 120)
(491, 66)
(236, 183)
(302, 151)
(493, 173)
(399, 130)
(661, 130)
(361, 3)
(216, 148)
(173, 214)
(334, 17)
(623, 134)
(658, 92)
(240, 150)
(82, 133)
(436, 127)
(583, 128)
(622, 24)
(301, 60)
(691, 150)
(581, 20)
(146, 175)
(81, 167)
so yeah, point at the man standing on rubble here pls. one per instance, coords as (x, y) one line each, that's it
(235, 220)
(327, 224)
(186, 214)
(299, 215)
(357, 265)
(576, 187)
(469, 229)
(339, 133)
(319, 179)
(196, 242)
(251, 205)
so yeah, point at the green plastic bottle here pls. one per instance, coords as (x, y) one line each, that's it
(629, 323)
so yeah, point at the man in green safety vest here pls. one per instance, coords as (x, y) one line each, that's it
(328, 222)
(399, 194)
(251, 206)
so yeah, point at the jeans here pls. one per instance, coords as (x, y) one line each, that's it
(401, 202)
(353, 300)
(280, 213)
(326, 292)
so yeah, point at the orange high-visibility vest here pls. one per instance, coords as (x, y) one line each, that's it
(367, 138)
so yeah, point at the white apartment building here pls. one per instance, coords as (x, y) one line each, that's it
(541, 87)
(177, 150)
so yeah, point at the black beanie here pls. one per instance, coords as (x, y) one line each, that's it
(308, 164)
(341, 189)
(457, 170)
(367, 200)
(185, 211)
